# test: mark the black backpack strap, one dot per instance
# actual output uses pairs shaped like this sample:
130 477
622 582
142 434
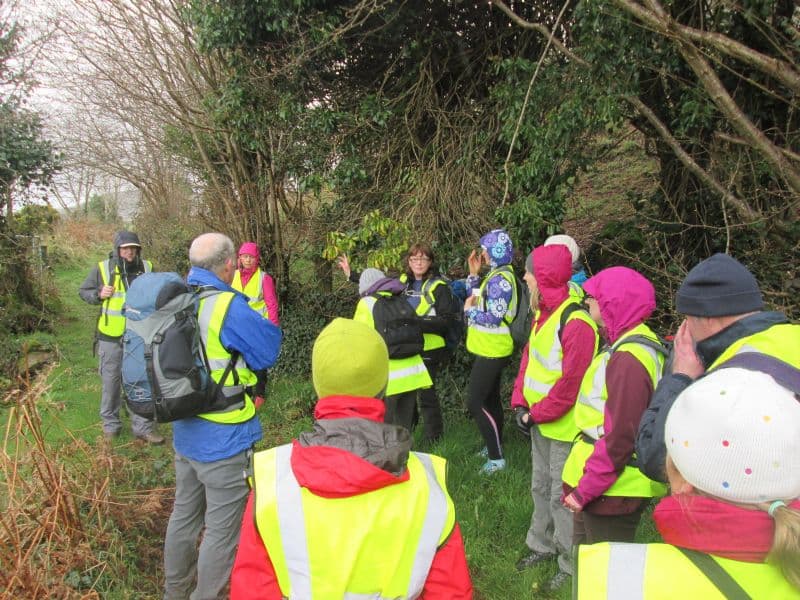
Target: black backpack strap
782 372
643 340
565 315
721 579
203 292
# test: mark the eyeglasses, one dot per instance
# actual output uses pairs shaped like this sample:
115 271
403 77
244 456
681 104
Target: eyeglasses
419 259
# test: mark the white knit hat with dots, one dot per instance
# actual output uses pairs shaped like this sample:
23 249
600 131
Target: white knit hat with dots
735 434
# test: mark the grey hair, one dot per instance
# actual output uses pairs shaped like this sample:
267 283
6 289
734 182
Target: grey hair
211 251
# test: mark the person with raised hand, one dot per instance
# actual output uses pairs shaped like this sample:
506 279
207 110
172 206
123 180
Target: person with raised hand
491 304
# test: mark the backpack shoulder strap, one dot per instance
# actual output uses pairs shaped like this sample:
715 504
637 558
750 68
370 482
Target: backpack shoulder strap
782 372
565 315
643 340
721 579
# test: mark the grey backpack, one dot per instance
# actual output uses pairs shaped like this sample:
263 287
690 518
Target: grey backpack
165 372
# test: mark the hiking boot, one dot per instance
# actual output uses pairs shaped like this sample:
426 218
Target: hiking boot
534 558
557 581
151 438
492 466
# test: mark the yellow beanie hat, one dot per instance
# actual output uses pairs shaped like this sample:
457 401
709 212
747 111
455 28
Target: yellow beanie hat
349 359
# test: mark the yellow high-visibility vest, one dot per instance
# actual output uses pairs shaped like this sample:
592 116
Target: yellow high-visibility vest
405 374
254 290
425 308
590 415
213 308
614 570
780 341
112 317
576 291
545 357
494 342
376 545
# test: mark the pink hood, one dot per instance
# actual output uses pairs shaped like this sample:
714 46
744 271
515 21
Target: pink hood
249 248
625 297
252 249
552 268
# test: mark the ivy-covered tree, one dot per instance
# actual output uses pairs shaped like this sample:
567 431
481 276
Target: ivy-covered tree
27 159
27 162
410 107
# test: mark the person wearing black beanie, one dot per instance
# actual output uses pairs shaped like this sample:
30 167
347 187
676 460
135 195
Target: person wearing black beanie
725 317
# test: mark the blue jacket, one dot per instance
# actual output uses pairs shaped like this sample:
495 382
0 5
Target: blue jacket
259 343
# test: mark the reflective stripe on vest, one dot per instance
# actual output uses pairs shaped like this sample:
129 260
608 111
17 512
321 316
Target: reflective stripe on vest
254 290
405 374
493 342
112 316
378 545
590 415
780 341
426 308
213 309
662 572
593 392
544 368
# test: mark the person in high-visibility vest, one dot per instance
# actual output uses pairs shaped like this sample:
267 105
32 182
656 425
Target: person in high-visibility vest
429 295
725 317
603 488
255 283
408 375
732 524
259 288
212 450
106 285
579 276
441 318
492 302
347 510
562 343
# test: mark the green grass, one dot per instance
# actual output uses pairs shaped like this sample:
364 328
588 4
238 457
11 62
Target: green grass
493 511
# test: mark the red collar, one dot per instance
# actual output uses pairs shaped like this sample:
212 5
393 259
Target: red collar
349 407
716 527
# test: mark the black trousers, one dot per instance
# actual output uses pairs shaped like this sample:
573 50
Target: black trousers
592 529
429 407
484 401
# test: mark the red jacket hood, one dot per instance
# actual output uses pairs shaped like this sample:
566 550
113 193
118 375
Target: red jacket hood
625 297
552 268
334 472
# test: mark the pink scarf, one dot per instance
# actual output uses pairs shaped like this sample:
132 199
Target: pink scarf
716 527
246 274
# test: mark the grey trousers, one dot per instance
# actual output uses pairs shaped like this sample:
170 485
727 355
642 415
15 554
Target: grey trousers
211 495
110 354
551 523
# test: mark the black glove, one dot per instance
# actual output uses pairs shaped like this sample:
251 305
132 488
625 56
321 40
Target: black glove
523 419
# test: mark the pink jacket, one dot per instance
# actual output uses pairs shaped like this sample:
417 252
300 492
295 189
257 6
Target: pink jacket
553 268
626 299
267 284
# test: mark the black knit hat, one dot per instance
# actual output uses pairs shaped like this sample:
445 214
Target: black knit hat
717 287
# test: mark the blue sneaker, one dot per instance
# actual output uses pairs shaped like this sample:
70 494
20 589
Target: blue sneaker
492 466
